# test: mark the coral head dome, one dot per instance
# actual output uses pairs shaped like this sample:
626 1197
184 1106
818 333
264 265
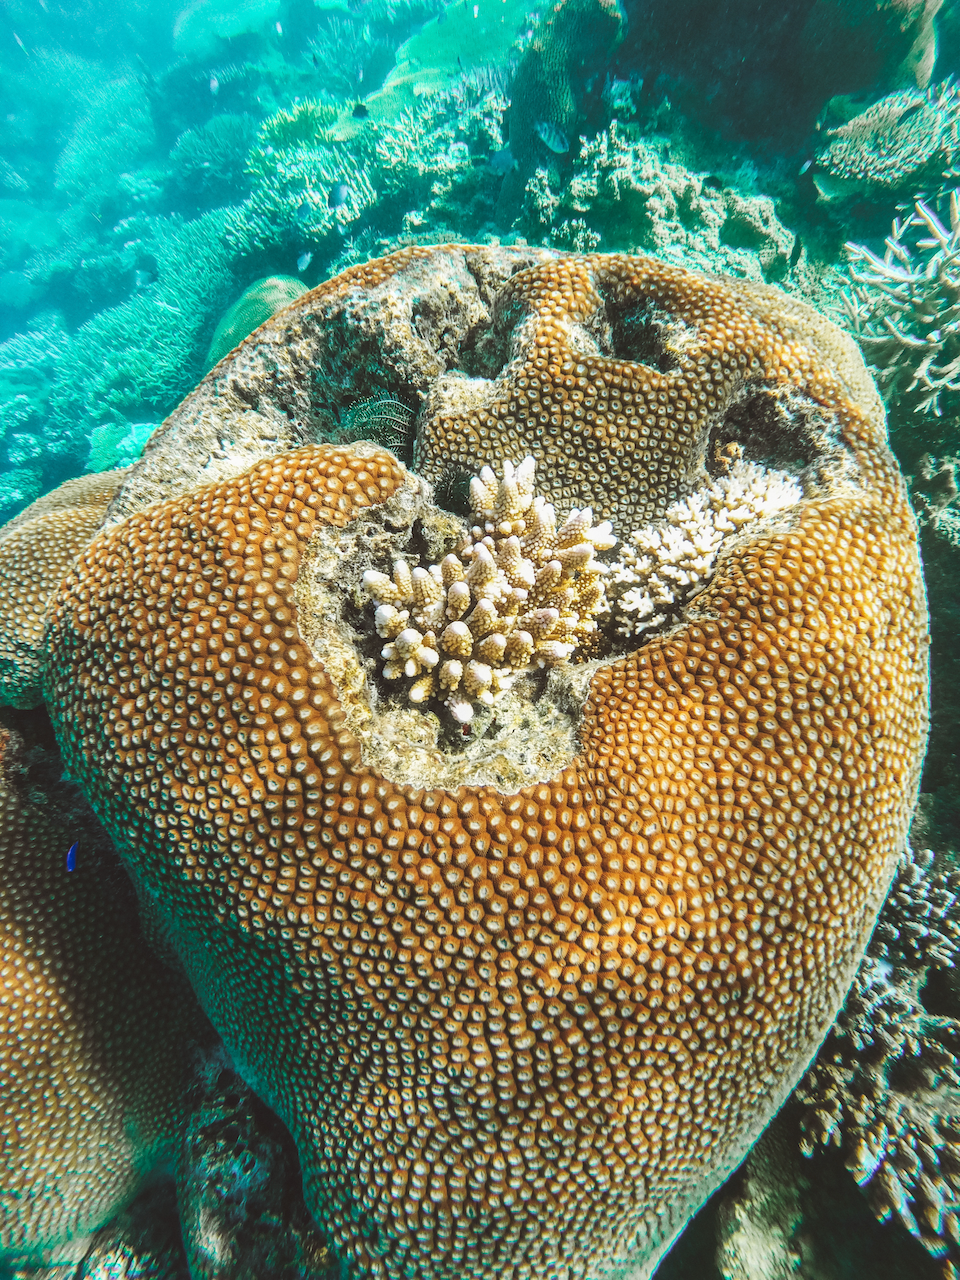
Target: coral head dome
522 1007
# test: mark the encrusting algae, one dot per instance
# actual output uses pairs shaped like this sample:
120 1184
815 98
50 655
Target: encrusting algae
515 1032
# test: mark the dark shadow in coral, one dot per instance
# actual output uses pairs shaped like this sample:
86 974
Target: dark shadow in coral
764 429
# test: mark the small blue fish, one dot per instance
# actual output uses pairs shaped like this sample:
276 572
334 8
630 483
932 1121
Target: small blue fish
304 260
142 278
305 211
502 161
339 195
805 166
72 856
552 137
214 85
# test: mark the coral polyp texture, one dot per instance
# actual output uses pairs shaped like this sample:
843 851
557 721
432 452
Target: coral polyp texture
905 137
517 592
93 1027
523 1001
36 549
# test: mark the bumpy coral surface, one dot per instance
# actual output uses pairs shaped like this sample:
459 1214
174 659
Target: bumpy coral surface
517 1034
518 591
36 549
92 1026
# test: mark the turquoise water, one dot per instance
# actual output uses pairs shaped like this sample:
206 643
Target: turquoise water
170 177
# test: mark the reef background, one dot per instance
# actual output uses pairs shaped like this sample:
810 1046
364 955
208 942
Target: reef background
170 176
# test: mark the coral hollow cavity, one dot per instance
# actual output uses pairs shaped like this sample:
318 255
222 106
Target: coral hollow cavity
516 1030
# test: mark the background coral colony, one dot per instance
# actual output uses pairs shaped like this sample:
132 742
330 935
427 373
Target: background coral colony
478 664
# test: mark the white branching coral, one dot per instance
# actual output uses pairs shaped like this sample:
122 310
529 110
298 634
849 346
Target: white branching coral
904 310
517 593
663 565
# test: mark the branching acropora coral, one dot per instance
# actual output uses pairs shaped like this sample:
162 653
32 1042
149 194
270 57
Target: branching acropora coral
904 309
663 565
517 592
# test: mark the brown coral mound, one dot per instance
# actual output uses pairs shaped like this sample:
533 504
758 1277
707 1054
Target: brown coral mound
36 549
92 1026
525 1035
625 371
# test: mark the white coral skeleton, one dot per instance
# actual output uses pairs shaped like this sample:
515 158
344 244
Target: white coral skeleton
518 593
663 565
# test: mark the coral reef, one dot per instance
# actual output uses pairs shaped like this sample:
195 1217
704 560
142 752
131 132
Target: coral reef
902 309
622 193
115 132
885 1086
28 370
569 51
348 52
207 164
906 137
297 167
510 1031
94 1027
135 361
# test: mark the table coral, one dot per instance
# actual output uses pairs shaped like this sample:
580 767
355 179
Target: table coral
903 138
513 1032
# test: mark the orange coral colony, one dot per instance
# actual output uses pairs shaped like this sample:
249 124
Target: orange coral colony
524 1034
36 550
92 1026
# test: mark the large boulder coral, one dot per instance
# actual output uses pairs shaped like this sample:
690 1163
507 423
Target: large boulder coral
518 1027
94 1028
